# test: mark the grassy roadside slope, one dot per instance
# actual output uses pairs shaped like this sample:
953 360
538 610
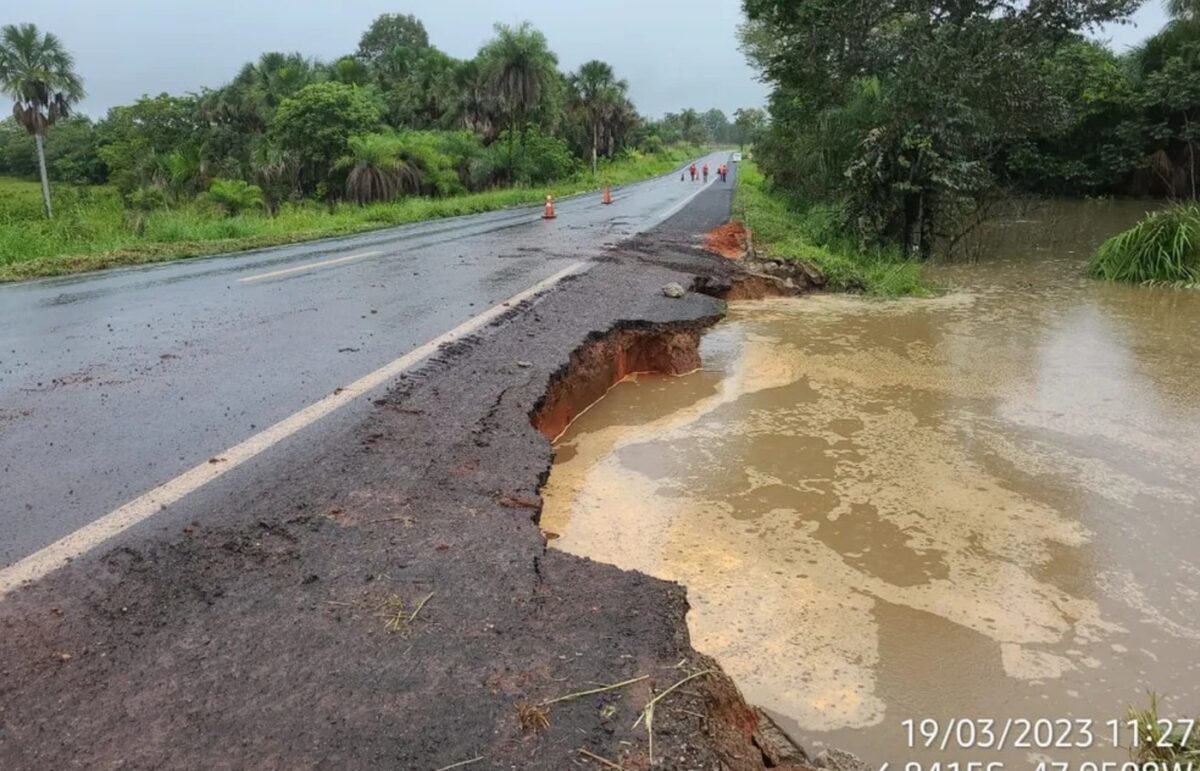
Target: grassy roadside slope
92 230
783 232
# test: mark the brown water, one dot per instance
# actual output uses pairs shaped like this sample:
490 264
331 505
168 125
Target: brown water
982 504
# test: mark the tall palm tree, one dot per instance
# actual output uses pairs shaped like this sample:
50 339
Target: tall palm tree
1188 10
596 90
37 72
520 67
472 106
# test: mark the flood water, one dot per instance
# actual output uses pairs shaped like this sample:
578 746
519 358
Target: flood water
982 504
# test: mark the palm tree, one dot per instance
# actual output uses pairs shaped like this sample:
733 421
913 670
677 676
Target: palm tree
596 90
1187 10
276 171
378 169
520 67
36 71
471 105
620 120
349 70
260 87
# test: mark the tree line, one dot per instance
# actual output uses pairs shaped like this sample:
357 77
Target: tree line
396 117
907 117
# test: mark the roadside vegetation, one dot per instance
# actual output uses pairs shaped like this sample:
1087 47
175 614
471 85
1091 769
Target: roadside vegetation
294 148
903 124
785 228
94 227
1164 248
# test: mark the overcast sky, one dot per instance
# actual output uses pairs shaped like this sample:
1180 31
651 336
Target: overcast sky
674 53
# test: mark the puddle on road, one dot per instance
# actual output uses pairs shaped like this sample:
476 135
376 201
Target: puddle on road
978 505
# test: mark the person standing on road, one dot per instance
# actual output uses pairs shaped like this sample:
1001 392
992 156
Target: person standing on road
706 173
693 171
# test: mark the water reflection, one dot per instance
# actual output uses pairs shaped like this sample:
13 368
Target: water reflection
976 504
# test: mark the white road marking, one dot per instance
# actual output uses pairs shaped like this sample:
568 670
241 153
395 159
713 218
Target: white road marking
148 504
309 266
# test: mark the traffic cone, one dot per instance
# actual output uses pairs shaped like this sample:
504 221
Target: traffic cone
607 196
549 214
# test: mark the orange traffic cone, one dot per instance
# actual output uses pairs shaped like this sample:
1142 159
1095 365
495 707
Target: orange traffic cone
607 195
549 214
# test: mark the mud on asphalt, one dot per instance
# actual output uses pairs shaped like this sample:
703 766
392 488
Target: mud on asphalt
387 600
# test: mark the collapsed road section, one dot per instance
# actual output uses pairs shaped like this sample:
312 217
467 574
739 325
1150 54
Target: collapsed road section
387 599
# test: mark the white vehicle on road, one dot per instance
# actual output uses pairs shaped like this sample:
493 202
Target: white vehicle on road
737 158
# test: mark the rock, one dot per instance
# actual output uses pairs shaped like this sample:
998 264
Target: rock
673 290
837 760
812 273
524 364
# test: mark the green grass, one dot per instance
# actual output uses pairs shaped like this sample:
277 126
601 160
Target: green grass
92 230
1164 248
1162 738
783 231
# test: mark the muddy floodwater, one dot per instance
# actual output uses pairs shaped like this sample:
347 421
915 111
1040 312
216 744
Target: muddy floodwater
984 504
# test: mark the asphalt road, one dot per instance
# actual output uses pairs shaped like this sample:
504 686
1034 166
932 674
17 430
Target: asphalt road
116 382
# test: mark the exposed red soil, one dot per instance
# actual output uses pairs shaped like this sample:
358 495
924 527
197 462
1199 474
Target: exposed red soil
730 240
606 360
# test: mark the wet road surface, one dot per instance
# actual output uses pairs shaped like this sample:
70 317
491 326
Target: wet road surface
112 383
375 592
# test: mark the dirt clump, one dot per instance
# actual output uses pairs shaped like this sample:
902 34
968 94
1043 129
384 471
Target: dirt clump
731 241
760 279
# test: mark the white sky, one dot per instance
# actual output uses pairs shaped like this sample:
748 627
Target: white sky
1146 22
674 53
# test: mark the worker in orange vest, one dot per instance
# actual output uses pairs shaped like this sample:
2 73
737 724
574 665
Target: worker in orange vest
693 170
706 172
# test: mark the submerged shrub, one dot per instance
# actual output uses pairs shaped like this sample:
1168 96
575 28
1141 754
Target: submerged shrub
1162 739
1163 248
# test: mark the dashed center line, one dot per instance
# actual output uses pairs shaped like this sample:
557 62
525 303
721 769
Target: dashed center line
309 266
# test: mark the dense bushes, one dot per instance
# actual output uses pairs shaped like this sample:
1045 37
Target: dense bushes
789 229
316 124
911 119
